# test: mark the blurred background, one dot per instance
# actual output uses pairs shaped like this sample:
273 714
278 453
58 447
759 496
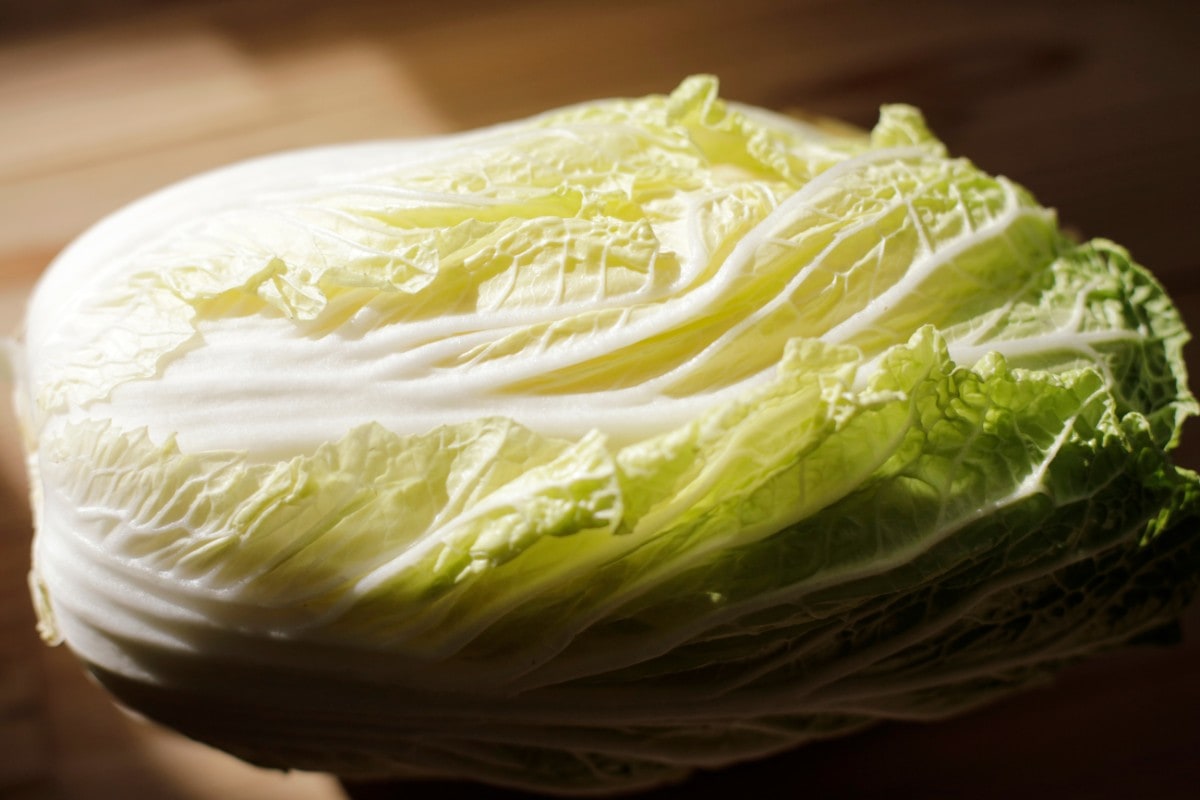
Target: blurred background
1095 106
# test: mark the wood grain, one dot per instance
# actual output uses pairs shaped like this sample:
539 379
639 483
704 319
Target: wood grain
1094 106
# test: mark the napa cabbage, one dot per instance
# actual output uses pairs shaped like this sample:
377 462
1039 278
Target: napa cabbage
583 451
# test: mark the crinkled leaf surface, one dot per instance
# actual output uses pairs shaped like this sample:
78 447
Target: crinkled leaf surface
582 451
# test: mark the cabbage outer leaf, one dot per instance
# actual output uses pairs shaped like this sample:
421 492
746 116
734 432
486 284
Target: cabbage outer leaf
579 452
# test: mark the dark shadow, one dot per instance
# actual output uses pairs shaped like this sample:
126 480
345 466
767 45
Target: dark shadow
1121 726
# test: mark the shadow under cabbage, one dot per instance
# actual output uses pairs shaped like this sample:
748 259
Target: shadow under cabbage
1126 723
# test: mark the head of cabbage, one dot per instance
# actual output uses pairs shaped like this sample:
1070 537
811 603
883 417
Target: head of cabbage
580 452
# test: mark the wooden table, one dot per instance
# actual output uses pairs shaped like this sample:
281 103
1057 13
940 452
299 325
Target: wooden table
1093 106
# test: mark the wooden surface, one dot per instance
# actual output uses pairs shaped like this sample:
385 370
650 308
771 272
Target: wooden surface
1094 106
